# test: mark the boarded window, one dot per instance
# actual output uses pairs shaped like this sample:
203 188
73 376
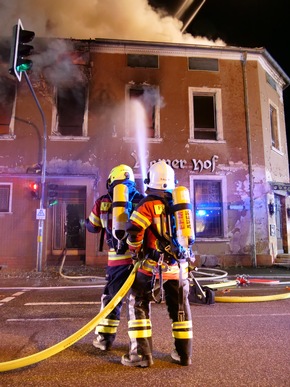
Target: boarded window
271 81
149 61
203 64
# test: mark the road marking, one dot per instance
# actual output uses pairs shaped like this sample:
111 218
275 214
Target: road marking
7 299
63 303
24 288
42 319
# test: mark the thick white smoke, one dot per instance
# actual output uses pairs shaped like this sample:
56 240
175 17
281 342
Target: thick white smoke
90 19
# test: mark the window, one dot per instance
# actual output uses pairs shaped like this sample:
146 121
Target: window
205 114
271 81
208 208
203 64
7 107
148 61
274 127
5 197
142 111
70 111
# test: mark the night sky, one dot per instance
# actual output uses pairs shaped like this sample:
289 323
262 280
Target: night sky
245 23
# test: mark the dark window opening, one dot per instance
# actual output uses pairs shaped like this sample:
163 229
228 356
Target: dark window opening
5 190
71 105
7 97
147 96
274 127
204 117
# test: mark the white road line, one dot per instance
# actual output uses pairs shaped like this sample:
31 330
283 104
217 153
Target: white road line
24 288
62 303
41 319
7 299
18 294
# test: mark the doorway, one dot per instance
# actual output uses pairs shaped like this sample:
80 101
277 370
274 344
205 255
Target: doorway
279 223
68 228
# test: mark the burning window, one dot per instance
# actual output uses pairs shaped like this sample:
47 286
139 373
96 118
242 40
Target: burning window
148 106
208 208
71 108
205 114
7 101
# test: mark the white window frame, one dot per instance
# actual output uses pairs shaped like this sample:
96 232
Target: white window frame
10 199
55 135
205 91
127 137
222 179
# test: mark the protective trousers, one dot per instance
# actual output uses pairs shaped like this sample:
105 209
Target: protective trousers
139 316
116 276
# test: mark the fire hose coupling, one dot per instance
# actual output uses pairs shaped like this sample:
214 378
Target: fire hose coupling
242 280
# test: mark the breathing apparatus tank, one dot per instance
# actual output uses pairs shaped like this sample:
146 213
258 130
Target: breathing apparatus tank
120 211
182 210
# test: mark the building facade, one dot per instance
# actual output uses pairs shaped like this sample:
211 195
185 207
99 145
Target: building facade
215 114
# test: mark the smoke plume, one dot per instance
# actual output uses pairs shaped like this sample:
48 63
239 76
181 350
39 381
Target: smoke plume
91 19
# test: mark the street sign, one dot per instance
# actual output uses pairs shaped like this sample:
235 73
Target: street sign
40 213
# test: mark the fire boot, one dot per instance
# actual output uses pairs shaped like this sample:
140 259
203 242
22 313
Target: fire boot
137 360
101 343
182 360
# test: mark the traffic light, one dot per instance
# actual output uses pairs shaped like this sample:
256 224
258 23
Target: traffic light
52 195
20 50
34 190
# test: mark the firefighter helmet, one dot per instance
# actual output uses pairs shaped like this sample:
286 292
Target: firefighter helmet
120 172
160 176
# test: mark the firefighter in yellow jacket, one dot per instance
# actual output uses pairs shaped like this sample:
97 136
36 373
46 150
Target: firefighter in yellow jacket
110 213
150 235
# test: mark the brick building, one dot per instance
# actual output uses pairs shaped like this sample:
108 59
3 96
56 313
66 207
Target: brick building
215 114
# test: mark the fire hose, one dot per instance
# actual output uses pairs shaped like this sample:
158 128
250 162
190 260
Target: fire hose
48 352
273 297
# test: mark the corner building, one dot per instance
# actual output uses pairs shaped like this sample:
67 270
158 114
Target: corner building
215 114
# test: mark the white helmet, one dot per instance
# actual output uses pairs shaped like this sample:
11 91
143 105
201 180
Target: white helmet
120 172
160 176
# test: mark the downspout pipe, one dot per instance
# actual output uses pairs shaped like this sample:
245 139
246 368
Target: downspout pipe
250 161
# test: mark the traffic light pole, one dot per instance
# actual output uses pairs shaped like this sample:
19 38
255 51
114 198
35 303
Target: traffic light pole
43 176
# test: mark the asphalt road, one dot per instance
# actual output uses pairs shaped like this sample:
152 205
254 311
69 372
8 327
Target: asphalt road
235 344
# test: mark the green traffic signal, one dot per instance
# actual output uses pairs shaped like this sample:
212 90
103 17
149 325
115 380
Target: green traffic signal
20 50
23 65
